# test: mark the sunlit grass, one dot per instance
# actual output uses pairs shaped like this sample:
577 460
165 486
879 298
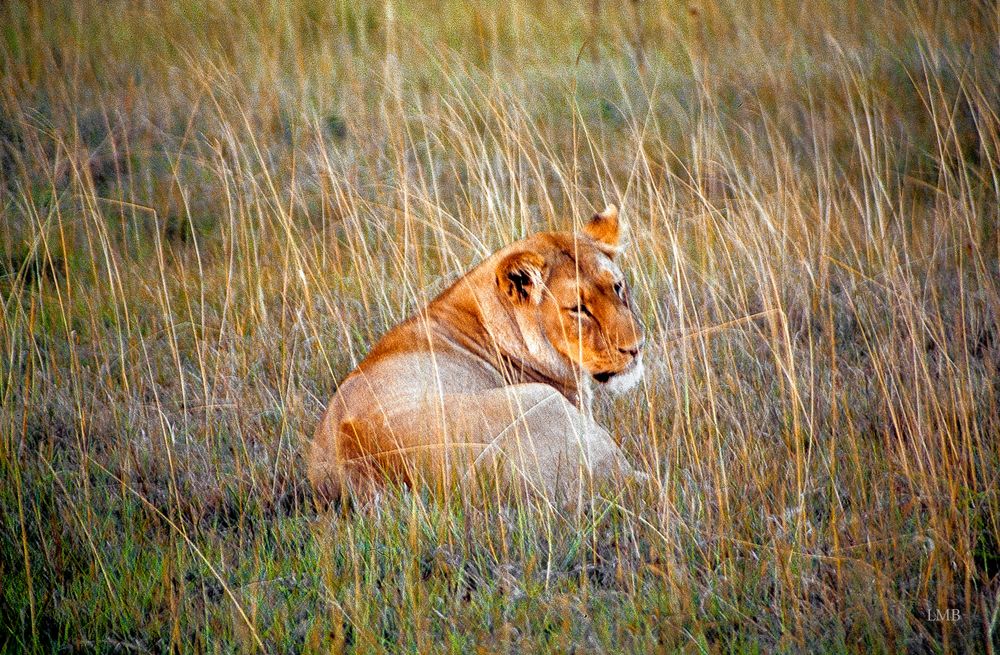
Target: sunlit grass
210 211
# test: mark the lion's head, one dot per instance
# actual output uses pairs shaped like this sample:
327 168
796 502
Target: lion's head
567 290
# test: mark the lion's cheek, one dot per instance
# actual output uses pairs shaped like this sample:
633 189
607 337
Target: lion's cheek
564 338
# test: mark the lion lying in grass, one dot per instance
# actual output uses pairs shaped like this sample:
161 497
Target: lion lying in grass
493 376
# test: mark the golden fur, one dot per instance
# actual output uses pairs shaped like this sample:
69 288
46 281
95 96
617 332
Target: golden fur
493 375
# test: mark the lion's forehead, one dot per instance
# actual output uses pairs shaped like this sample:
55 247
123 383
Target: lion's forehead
607 269
575 253
595 269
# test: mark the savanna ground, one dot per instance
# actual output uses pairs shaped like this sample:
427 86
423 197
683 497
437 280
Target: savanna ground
210 211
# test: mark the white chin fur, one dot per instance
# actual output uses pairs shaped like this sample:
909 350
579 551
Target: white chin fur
622 382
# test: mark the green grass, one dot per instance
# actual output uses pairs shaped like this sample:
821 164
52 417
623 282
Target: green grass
210 211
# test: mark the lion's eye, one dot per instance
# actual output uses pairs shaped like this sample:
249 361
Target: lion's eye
620 290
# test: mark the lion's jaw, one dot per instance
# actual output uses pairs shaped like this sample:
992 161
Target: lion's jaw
625 381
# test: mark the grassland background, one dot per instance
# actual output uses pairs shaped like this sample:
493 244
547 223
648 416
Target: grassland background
209 211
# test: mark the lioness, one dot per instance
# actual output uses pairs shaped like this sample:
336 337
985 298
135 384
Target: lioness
493 375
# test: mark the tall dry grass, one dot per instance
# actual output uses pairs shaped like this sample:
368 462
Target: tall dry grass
210 211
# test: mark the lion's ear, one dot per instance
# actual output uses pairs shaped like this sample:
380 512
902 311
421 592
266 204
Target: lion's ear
605 228
520 277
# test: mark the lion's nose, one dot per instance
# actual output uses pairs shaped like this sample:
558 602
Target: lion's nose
634 349
632 352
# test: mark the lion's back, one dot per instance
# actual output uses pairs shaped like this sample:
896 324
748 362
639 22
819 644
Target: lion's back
405 369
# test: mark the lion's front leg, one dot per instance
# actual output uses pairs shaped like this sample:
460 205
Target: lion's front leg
542 441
